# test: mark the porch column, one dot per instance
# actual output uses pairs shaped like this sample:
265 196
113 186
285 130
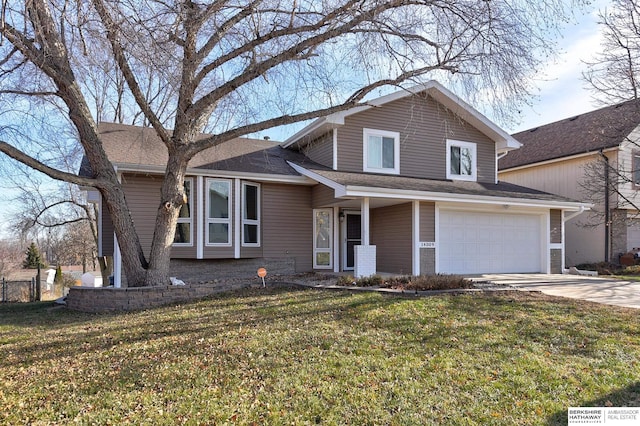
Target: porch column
415 246
364 208
117 263
365 253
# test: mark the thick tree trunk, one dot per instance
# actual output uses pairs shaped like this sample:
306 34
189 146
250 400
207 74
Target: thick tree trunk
172 198
133 260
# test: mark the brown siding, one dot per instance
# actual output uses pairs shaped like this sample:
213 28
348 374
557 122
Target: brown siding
321 150
107 232
143 199
322 196
391 234
427 234
287 223
556 226
556 261
427 221
424 126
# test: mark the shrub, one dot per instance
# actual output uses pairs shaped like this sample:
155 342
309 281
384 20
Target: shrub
436 282
631 270
408 282
346 280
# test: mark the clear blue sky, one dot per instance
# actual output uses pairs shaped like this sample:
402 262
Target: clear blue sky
562 93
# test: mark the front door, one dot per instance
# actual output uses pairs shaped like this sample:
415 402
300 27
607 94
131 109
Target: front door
352 236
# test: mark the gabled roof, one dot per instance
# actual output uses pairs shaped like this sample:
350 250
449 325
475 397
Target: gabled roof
434 89
600 129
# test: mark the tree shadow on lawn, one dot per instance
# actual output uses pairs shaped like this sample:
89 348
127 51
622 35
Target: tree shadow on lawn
73 333
68 333
628 396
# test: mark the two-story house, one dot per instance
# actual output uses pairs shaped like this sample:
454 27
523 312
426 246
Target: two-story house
575 157
405 184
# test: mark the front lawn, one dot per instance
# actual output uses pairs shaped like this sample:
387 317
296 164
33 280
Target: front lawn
288 356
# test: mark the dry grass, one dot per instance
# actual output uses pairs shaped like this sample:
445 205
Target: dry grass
289 356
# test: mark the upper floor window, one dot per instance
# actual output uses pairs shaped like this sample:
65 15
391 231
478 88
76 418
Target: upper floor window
251 215
218 212
183 236
381 151
461 160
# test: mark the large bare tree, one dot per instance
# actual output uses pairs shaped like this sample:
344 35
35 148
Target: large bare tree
614 74
231 68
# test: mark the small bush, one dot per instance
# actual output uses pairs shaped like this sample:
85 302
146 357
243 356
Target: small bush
372 281
408 282
631 270
436 282
346 280
608 268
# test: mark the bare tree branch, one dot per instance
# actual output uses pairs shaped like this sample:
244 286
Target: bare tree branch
20 156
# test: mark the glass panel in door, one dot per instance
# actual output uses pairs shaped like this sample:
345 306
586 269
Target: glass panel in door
353 237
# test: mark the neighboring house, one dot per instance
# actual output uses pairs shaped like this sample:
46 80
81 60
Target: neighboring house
406 184
558 158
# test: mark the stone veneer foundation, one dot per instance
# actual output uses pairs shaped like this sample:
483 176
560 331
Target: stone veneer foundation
109 299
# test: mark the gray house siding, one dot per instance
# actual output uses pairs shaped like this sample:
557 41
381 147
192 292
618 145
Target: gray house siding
321 150
322 196
555 226
427 234
391 234
424 126
107 232
287 223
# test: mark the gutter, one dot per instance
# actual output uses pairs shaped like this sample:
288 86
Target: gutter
574 214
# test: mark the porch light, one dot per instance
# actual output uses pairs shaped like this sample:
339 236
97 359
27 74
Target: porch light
341 216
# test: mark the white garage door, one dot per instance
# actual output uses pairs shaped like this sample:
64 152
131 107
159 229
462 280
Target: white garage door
477 242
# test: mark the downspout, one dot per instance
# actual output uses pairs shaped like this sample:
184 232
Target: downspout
607 219
498 157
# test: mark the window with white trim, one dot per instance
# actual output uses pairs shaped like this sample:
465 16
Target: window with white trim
250 214
635 172
218 212
461 160
381 151
322 238
184 236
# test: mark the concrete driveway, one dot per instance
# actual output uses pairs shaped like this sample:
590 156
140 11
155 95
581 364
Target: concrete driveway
595 289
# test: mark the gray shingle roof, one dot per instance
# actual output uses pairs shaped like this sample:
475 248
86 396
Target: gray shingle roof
600 129
139 146
371 180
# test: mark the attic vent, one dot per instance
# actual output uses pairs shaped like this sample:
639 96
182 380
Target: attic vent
573 118
534 129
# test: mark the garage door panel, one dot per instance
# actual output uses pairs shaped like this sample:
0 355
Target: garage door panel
483 242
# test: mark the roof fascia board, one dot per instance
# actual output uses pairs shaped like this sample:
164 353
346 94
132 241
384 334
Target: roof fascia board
359 191
301 180
340 190
558 160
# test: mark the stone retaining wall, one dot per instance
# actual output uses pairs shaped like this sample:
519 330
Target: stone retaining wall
193 271
91 299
